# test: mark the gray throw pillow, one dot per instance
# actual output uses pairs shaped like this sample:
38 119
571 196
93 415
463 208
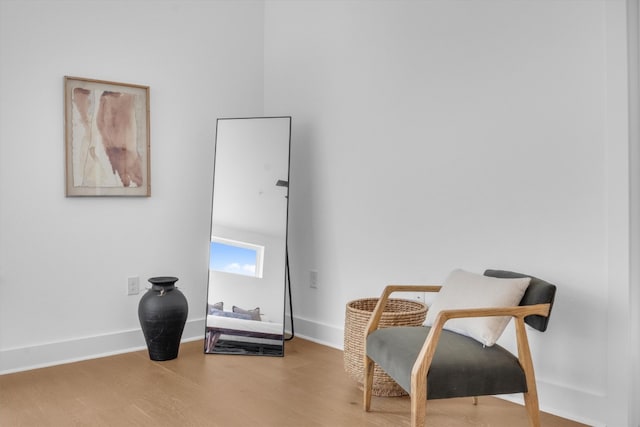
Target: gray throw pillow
255 313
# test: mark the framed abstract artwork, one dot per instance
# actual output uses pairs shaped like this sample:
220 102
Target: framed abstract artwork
107 140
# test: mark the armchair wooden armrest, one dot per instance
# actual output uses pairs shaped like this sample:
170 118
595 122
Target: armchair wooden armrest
374 320
425 357
373 323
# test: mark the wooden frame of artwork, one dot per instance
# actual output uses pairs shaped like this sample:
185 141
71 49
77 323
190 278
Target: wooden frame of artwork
107 143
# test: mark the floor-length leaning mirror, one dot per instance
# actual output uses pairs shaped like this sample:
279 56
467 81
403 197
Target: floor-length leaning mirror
247 259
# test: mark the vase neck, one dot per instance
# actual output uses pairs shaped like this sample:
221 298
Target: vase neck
163 287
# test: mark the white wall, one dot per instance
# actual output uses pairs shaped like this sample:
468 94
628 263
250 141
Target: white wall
427 135
441 134
64 262
633 17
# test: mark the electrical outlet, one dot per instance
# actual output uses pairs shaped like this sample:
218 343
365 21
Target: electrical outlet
416 296
313 279
133 285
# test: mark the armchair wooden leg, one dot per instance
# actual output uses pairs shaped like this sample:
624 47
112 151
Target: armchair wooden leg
418 411
367 382
531 403
475 400
524 355
418 401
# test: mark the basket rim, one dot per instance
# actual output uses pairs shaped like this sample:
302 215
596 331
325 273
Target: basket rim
420 306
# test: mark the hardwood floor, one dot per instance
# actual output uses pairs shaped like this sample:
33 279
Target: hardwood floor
308 388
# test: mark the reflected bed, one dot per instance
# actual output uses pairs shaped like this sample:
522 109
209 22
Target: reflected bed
240 336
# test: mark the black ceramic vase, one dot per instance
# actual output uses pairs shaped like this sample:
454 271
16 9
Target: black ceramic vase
163 312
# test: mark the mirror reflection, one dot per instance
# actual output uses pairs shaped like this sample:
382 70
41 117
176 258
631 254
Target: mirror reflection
246 293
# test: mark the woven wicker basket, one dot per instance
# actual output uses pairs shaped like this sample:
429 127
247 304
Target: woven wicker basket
398 312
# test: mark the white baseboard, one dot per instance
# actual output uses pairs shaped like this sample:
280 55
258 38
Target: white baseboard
321 333
74 350
547 405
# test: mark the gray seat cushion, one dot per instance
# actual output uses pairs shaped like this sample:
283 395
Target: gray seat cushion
461 365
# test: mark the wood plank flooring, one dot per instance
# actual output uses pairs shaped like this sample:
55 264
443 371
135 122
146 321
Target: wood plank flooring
306 388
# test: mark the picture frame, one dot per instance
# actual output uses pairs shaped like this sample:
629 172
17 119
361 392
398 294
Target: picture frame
107 138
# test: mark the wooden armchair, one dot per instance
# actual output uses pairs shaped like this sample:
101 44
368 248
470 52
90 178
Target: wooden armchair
434 363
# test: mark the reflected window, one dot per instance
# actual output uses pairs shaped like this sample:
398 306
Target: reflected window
232 256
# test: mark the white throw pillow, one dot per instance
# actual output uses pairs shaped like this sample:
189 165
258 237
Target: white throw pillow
468 290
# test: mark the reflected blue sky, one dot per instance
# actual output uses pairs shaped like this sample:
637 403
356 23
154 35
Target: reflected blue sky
232 259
